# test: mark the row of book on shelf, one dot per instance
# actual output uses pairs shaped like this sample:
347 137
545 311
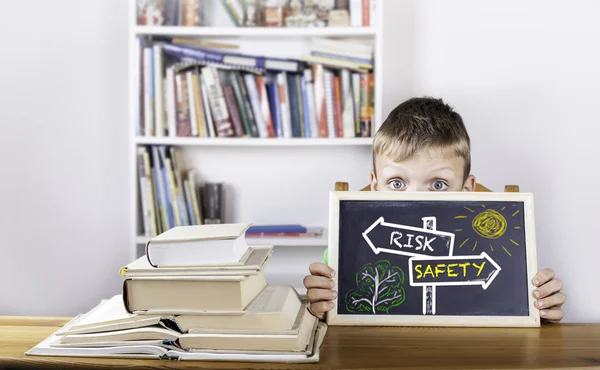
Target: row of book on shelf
233 314
259 13
170 195
191 91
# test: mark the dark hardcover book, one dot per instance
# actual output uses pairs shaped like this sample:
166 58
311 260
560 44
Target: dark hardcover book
237 90
273 94
212 198
291 81
234 112
247 104
300 106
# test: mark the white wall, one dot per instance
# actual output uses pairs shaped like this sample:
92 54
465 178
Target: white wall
522 74
64 217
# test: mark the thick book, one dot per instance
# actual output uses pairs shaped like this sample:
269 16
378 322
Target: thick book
198 245
295 339
275 310
187 295
166 350
252 261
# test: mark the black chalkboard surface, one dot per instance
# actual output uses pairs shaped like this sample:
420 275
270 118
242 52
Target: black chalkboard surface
433 258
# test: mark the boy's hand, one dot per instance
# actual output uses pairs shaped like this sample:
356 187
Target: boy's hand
549 298
319 289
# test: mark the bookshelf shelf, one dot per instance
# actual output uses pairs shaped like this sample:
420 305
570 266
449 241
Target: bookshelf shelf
256 31
276 241
243 142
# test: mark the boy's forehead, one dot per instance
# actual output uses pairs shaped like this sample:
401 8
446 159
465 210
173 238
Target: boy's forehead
426 159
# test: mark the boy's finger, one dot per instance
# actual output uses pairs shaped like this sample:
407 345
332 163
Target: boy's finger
314 295
554 300
319 268
319 308
555 314
553 286
312 281
543 277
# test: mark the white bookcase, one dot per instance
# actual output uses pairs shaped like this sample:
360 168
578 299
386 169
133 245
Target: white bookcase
267 181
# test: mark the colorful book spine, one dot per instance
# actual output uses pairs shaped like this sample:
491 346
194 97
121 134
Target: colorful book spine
223 125
305 110
264 105
320 106
182 105
294 111
252 89
276 115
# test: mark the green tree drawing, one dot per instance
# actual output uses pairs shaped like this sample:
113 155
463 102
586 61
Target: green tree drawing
379 288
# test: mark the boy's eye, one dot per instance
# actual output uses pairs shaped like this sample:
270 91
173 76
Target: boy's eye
439 186
396 184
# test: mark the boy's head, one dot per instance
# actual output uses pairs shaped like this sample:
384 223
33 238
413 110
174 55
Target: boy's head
423 145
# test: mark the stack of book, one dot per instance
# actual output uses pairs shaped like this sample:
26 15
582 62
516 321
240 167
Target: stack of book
199 293
192 91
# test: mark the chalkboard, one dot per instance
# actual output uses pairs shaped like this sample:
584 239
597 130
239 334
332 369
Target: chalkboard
433 258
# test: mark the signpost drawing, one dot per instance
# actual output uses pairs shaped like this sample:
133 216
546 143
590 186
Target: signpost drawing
431 263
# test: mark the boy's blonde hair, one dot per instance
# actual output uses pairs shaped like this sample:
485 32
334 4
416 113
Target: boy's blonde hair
421 123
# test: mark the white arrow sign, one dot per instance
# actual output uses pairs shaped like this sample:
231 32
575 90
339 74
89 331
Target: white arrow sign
409 241
453 271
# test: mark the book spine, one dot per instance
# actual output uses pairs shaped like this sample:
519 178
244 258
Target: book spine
371 104
198 105
196 206
160 180
252 89
171 102
284 105
158 90
210 127
182 108
273 92
364 103
356 97
223 125
151 191
347 104
144 198
305 110
291 90
139 87
179 191
337 102
320 105
329 105
148 92
298 92
366 8
264 105
188 202
212 199
233 110
192 104
170 180
310 99
242 108
247 105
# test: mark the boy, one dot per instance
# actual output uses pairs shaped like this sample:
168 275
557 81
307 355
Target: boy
423 145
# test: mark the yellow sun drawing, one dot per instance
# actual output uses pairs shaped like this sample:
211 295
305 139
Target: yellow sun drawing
491 225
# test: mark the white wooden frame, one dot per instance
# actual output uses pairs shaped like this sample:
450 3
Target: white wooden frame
533 320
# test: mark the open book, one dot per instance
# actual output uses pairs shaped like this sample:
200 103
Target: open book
298 344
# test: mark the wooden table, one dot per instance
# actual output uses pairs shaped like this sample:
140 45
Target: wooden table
552 346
